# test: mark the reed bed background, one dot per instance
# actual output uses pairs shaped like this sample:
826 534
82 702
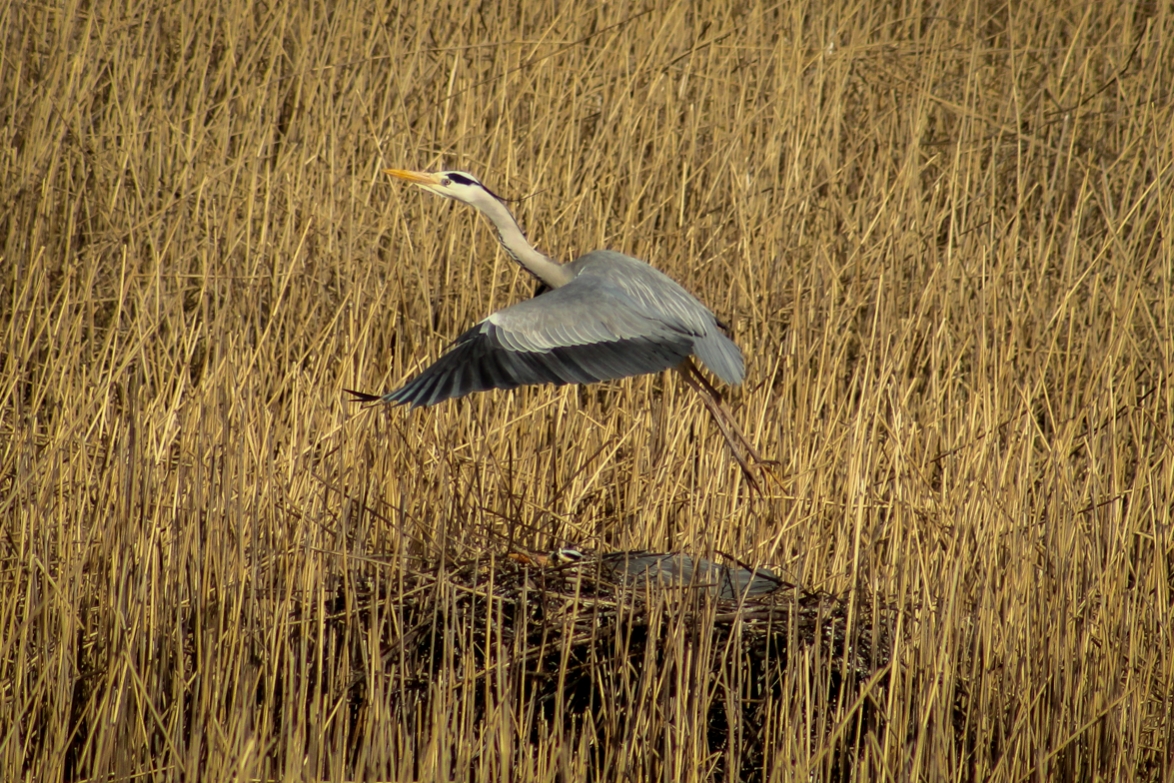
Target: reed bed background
941 231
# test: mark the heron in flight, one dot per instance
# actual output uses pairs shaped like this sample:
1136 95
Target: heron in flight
606 316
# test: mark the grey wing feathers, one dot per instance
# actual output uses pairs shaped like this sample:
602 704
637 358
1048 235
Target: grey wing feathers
618 317
721 355
583 332
660 297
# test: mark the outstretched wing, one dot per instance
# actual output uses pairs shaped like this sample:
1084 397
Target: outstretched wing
586 331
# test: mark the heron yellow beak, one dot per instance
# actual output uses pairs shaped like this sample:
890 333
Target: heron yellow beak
415 177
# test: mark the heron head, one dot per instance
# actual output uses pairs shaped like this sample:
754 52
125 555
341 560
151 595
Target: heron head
457 185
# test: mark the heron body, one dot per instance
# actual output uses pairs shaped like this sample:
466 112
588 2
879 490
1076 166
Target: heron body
674 570
726 583
607 316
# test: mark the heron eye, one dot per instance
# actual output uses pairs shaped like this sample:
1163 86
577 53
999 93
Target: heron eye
445 182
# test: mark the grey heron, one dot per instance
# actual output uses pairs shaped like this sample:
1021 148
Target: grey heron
665 569
606 316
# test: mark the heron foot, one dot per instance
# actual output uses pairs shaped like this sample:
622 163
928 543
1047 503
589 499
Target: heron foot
743 451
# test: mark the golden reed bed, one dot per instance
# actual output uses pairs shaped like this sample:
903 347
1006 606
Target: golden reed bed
941 233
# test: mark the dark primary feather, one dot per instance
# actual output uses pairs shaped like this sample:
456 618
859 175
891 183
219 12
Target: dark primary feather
358 396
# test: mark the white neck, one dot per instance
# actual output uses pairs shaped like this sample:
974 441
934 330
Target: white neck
509 233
